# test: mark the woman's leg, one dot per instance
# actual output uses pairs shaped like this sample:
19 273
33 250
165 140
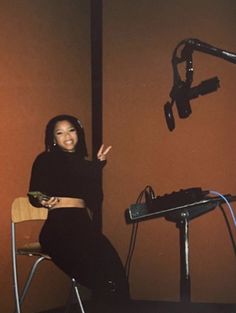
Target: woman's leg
69 237
111 281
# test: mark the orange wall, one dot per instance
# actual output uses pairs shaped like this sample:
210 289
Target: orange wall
139 38
45 57
45 70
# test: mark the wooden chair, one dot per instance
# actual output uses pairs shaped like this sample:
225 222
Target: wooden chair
23 211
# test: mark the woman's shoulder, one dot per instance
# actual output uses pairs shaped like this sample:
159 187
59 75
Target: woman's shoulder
44 157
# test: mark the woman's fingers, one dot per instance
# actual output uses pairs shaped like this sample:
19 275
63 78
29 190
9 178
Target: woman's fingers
100 150
101 155
107 150
50 203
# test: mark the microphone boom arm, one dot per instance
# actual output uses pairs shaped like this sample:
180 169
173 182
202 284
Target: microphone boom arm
198 45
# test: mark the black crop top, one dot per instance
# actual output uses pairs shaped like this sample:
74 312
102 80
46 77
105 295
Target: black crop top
65 174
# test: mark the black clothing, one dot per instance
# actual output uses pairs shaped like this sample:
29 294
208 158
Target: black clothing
68 234
65 174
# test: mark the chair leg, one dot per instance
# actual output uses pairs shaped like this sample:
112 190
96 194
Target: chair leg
15 276
30 277
76 289
20 298
74 292
16 289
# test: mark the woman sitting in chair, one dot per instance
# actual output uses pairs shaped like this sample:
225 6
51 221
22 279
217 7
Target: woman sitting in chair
71 184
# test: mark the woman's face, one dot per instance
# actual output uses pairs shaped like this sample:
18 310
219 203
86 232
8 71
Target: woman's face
65 136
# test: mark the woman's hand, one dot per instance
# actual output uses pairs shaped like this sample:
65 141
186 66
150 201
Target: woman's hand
102 154
50 203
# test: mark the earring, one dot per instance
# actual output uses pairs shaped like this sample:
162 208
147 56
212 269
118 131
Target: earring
54 144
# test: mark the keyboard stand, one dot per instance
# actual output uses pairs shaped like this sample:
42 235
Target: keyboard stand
181 215
182 220
185 280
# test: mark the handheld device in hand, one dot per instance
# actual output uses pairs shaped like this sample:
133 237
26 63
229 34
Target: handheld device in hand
39 195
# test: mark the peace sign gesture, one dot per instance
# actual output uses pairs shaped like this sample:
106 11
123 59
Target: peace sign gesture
101 155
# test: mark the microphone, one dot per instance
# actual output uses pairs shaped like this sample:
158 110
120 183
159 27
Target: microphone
205 87
182 94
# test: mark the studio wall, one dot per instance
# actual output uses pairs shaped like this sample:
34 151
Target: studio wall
45 71
138 41
45 67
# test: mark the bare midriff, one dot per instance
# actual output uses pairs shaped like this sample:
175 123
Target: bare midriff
64 202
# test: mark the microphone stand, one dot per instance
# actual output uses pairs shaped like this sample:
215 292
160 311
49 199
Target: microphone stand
182 92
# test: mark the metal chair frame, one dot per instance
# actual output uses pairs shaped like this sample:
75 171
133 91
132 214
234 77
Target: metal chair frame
23 211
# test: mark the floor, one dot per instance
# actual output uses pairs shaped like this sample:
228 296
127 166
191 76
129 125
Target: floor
153 307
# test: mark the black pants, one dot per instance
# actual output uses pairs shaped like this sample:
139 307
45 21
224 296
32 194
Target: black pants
83 253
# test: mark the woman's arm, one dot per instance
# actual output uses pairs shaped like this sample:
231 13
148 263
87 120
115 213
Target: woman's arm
39 180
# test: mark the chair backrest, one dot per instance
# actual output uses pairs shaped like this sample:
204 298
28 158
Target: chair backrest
22 210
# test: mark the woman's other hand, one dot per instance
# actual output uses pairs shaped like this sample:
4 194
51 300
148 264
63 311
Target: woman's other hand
102 152
50 203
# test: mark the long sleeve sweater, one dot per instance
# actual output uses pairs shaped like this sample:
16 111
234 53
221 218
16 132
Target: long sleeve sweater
65 174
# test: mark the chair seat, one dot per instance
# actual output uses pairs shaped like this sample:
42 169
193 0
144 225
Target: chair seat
32 249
